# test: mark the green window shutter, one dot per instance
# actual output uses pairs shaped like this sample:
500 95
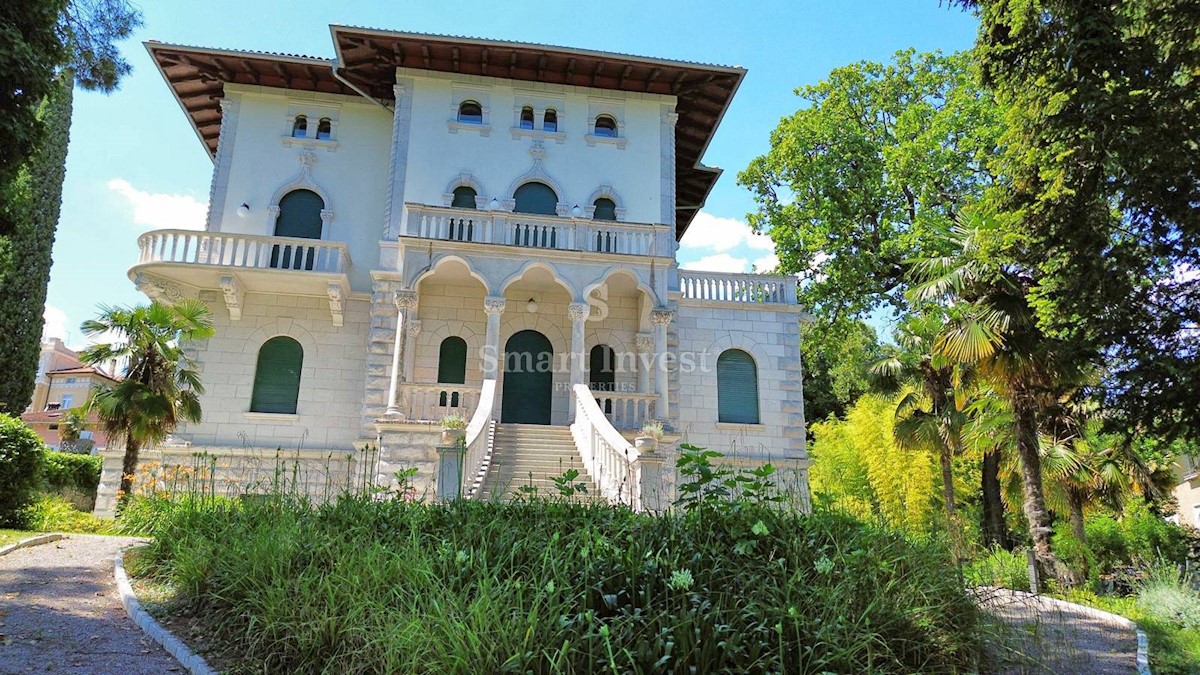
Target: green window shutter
452 361
536 198
737 388
300 215
600 368
464 197
606 209
277 376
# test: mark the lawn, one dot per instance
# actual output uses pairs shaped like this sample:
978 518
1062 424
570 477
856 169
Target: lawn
13 536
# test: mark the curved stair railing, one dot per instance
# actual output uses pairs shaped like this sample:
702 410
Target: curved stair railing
481 431
609 458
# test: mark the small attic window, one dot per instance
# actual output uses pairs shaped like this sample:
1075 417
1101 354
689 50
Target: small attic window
324 129
470 112
606 126
550 121
300 127
526 117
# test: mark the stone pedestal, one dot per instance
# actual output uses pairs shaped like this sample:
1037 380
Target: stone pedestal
408 445
449 471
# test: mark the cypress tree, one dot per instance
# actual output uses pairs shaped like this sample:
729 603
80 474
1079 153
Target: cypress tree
34 199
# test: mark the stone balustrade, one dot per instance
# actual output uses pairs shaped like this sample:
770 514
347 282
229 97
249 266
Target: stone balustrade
242 250
741 288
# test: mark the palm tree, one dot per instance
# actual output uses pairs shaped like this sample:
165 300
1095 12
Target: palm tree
989 433
161 386
929 413
71 428
993 327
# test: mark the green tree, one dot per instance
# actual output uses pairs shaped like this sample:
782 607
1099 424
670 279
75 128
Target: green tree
1102 164
864 177
31 196
992 327
835 356
161 387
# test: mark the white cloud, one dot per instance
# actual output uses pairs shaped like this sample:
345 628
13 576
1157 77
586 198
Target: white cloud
766 263
161 210
721 234
721 262
56 323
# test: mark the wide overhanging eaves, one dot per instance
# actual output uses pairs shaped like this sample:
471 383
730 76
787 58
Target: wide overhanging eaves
369 57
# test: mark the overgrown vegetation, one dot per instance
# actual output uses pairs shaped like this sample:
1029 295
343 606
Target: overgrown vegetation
727 582
65 470
21 458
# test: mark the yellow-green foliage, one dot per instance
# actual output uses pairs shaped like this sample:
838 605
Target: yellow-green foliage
858 466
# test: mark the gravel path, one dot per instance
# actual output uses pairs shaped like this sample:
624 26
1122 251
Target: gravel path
1039 635
60 613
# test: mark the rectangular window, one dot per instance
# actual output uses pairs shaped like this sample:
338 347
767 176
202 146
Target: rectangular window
66 401
70 380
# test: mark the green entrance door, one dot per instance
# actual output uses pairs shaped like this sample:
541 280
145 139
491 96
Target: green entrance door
528 379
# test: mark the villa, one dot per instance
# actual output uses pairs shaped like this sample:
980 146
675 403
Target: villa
428 226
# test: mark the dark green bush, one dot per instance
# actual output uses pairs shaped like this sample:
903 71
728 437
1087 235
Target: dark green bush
368 586
1138 538
21 458
1106 538
69 470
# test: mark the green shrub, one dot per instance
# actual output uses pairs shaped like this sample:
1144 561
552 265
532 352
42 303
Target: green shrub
1075 555
1165 595
1005 569
69 470
1150 537
51 513
21 458
367 586
1106 539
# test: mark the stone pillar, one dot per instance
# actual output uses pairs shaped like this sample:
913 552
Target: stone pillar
578 312
652 490
413 329
645 348
493 306
661 318
405 300
393 202
449 472
221 163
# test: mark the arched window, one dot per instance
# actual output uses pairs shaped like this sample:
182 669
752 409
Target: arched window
606 209
299 216
550 120
452 368
606 126
737 388
464 197
536 198
277 376
300 127
526 117
324 129
470 112
601 372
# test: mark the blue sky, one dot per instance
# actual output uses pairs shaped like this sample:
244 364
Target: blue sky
135 164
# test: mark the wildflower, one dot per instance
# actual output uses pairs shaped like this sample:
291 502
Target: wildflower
681 580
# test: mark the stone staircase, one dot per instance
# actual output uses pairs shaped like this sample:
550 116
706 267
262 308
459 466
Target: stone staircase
528 456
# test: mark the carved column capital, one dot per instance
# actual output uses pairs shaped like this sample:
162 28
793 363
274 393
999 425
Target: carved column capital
493 305
645 342
405 299
662 316
578 311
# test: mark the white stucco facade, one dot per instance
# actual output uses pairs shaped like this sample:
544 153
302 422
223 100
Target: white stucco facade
397 270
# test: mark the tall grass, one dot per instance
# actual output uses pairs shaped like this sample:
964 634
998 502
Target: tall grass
360 585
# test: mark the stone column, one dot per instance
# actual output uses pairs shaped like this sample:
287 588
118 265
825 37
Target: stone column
493 306
578 312
661 318
412 329
405 301
393 202
645 347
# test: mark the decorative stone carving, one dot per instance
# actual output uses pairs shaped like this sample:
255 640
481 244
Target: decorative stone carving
537 173
158 289
645 342
405 300
662 316
414 327
234 296
578 311
335 293
493 305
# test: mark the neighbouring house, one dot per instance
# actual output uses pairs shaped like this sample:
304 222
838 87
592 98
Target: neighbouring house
427 225
1187 492
64 382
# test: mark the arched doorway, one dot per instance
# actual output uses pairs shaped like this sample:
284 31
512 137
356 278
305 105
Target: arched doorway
528 379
